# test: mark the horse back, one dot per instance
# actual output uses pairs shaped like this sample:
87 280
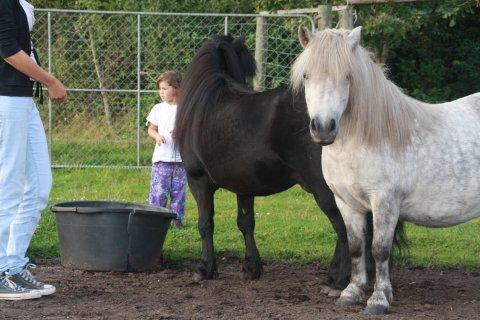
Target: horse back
474 101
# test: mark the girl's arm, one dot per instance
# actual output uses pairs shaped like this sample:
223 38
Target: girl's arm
23 63
153 132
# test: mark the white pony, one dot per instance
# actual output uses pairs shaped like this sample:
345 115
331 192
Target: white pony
385 152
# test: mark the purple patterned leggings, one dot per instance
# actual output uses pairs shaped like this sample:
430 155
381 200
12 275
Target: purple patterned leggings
168 179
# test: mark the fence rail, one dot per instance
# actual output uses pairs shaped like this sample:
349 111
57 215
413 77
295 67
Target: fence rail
109 61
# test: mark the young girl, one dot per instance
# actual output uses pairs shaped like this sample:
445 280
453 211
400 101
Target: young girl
168 173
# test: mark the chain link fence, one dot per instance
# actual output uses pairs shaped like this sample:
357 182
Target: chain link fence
109 62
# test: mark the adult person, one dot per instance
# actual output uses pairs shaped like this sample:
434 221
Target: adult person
25 172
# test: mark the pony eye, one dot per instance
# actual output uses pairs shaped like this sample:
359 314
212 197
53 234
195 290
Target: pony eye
306 76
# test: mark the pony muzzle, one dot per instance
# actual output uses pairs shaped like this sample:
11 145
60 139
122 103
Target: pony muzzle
323 133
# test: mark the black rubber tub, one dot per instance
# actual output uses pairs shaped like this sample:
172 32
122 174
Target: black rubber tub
111 236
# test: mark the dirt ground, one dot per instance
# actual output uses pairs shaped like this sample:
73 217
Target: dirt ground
285 291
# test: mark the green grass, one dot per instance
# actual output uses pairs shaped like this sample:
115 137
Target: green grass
98 152
289 226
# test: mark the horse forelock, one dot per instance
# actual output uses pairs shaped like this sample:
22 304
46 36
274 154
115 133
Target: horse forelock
377 109
326 53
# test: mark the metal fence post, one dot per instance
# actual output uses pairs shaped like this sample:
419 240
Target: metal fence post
138 85
50 121
260 36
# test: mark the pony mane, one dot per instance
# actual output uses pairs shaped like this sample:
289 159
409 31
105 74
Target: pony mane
377 111
221 65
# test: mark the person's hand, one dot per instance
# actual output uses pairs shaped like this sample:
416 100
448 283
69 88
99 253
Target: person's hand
56 91
160 139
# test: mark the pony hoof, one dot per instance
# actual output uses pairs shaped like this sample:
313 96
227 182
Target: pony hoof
334 293
325 289
375 310
197 277
250 272
346 301
202 274
250 275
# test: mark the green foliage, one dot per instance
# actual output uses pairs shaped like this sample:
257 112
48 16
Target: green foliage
150 5
440 62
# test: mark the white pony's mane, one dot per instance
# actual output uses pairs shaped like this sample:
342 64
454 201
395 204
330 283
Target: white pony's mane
377 109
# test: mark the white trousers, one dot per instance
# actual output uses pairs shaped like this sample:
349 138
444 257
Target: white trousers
25 178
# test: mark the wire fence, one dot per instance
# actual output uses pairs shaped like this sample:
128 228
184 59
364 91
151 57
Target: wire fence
109 62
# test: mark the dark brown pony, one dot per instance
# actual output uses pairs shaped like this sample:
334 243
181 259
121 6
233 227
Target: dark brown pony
251 143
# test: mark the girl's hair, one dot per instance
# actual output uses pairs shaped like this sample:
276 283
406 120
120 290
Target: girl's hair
173 78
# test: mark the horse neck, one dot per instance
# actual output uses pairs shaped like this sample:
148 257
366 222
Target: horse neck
378 111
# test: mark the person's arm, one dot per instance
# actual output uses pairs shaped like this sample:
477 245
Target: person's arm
23 63
153 132
11 52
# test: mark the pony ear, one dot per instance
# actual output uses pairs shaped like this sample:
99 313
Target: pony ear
239 43
353 38
304 36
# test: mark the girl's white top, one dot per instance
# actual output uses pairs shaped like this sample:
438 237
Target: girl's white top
163 116
28 8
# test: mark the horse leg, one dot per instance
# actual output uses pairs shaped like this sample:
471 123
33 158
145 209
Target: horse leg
385 217
203 192
355 223
252 266
340 266
369 261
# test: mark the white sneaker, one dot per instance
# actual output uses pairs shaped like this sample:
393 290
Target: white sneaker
26 280
9 290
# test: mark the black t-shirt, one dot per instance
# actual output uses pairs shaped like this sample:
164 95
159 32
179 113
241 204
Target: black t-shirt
14 36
